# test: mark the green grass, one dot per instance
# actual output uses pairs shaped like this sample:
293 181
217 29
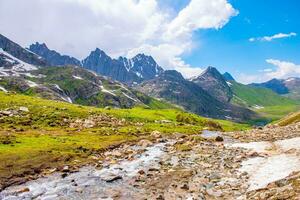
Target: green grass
274 106
278 112
41 138
251 96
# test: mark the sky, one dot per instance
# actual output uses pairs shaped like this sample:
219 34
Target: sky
254 40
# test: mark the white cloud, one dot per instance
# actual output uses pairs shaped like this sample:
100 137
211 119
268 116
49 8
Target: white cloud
281 70
276 36
119 27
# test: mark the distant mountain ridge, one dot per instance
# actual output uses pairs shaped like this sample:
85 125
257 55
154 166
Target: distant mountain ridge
129 71
172 87
52 57
289 87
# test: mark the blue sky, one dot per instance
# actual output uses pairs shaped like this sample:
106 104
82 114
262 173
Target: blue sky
229 48
185 35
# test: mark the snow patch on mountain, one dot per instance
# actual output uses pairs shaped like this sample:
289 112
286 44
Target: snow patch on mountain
21 66
107 91
77 77
129 97
3 89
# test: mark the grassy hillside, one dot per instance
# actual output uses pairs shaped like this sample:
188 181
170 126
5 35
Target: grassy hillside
264 101
290 119
81 87
38 134
254 96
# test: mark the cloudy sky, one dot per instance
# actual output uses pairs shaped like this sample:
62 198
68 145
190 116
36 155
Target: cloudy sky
252 39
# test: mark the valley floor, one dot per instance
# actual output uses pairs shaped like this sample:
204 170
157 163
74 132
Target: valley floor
254 164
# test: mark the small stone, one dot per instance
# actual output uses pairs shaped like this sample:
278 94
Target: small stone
64 175
23 190
24 109
66 169
160 197
111 178
219 139
185 187
144 143
214 193
156 134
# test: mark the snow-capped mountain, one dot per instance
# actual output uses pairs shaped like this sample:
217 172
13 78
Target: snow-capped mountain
137 69
16 60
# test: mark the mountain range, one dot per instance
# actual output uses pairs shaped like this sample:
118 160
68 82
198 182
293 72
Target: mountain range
100 80
128 71
288 87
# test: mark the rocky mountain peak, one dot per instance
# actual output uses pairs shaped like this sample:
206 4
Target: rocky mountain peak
52 57
215 84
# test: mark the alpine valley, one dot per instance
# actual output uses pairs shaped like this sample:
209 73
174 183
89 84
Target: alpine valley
126 128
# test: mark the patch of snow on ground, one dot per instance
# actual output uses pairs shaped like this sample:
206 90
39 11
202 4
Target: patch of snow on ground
260 147
279 163
228 83
107 91
3 89
77 77
267 170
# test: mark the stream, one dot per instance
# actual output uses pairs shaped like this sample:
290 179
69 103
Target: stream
273 161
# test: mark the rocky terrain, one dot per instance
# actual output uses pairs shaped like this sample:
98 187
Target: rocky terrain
256 164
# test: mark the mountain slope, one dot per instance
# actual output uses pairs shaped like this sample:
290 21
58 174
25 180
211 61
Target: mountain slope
77 85
19 53
267 103
214 83
228 77
257 97
172 87
289 119
288 87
